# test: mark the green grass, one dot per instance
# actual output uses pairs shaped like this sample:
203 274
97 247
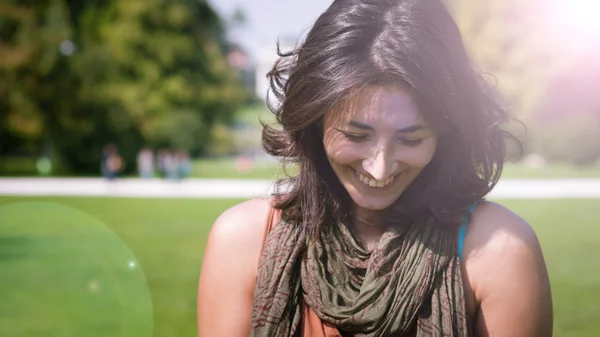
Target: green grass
552 171
226 168
44 250
167 237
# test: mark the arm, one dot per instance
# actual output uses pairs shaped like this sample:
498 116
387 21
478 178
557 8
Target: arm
508 275
229 270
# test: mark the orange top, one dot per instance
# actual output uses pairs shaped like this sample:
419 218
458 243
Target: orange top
312 326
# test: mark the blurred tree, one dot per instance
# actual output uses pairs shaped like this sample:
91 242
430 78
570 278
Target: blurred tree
75 75
164 59
222 141
35 84
238 18
570 138
526 48
566 125
510 40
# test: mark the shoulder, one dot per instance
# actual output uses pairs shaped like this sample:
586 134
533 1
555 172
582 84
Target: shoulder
506 270
235 240
498 237
244 216
494 228
229 269
232 254
241 227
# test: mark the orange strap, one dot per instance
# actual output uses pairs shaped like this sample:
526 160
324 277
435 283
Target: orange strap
272 219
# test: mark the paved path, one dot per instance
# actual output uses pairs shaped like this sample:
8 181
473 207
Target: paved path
240 188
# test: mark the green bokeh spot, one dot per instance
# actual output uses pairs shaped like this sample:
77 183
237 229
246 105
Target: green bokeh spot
64 273
44 166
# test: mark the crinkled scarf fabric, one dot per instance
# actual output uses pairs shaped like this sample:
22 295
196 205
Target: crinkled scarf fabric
410 281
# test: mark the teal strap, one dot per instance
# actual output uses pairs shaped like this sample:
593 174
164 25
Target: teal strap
462 231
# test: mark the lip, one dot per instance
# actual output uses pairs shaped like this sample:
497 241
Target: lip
368 188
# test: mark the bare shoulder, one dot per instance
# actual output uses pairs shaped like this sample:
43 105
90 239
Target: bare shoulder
241 223
229 269
497 240
506 270
237 235
495 228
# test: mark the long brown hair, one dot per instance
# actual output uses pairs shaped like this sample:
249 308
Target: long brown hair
413 43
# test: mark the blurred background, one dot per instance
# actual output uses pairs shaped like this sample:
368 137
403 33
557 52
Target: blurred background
127 127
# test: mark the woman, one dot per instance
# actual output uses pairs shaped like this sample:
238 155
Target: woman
383 231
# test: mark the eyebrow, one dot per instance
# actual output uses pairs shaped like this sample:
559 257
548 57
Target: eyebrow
407 129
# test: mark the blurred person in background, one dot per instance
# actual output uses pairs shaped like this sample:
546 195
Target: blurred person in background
384 231
111 162
171 165
162 159
184 164
145 163
244 163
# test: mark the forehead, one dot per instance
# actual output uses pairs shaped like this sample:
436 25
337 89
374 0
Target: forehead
379 106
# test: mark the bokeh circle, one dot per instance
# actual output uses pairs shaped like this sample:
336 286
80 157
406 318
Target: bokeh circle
64 273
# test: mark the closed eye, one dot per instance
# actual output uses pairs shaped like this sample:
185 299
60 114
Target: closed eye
411 142
355 137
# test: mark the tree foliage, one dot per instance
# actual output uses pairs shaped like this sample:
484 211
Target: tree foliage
75 75
524 47
510 40
569 138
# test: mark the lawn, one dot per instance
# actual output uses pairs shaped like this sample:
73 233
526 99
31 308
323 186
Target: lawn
96 266
552 171
227 168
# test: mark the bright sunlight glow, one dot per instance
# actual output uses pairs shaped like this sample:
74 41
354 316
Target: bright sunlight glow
579 18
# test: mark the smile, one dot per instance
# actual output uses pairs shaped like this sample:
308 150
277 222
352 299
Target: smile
372 182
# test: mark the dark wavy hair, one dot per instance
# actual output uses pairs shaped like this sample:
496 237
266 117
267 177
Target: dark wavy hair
414 44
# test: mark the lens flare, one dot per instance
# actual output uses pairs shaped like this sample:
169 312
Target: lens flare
68 274
578 19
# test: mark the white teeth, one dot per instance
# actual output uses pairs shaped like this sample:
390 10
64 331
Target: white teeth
373 182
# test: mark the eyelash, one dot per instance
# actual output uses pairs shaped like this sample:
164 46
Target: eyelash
412 143
355 137
359 138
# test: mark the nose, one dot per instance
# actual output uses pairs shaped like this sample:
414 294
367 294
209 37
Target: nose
380 165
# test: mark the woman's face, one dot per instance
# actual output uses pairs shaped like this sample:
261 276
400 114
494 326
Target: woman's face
377 143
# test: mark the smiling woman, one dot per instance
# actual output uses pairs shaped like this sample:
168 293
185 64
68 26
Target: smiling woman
377 143
383 231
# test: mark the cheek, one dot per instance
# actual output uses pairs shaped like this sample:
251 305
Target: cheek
339 150
343 153
421 156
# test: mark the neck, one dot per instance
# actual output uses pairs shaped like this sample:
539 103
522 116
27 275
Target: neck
368 226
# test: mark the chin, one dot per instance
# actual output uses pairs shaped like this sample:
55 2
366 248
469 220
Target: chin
373 200
372 203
